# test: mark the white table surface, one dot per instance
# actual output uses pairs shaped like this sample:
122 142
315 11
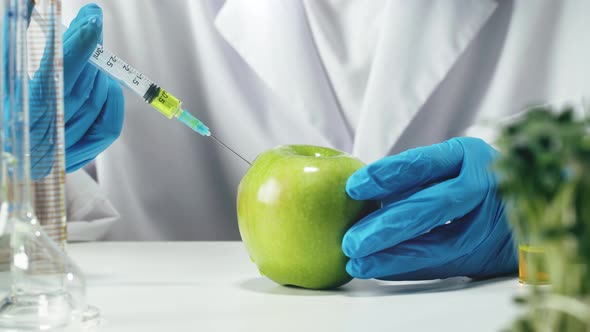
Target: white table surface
213 286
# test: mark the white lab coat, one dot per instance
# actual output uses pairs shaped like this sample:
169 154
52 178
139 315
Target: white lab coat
368 77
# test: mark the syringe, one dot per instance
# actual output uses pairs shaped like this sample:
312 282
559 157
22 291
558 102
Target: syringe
145 88
135 81
160 99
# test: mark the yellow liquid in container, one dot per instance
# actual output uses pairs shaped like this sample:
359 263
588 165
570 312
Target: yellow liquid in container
166 103
527 255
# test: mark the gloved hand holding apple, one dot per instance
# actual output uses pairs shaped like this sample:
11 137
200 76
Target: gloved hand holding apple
441 215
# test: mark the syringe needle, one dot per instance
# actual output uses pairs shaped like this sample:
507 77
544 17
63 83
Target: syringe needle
227 147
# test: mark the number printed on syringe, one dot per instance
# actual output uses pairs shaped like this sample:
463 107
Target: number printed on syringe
120 70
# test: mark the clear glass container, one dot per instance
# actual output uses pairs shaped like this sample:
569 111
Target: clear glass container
43 289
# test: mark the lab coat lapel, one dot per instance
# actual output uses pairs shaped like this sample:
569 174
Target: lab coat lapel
411 60
274 38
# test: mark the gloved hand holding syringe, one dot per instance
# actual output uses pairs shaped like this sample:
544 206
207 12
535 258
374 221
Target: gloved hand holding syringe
140 85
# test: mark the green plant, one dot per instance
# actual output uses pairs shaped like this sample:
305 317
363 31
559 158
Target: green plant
544 175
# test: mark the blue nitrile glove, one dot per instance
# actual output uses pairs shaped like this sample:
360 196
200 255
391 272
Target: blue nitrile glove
94 105
421 190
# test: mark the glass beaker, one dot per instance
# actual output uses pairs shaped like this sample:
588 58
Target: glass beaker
46 290
531 265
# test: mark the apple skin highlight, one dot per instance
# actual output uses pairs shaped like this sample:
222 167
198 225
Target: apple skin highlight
293 212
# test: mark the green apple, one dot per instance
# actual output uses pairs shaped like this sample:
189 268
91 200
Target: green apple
293 211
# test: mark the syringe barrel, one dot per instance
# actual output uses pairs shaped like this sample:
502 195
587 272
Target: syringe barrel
128 76
121 71
163 101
